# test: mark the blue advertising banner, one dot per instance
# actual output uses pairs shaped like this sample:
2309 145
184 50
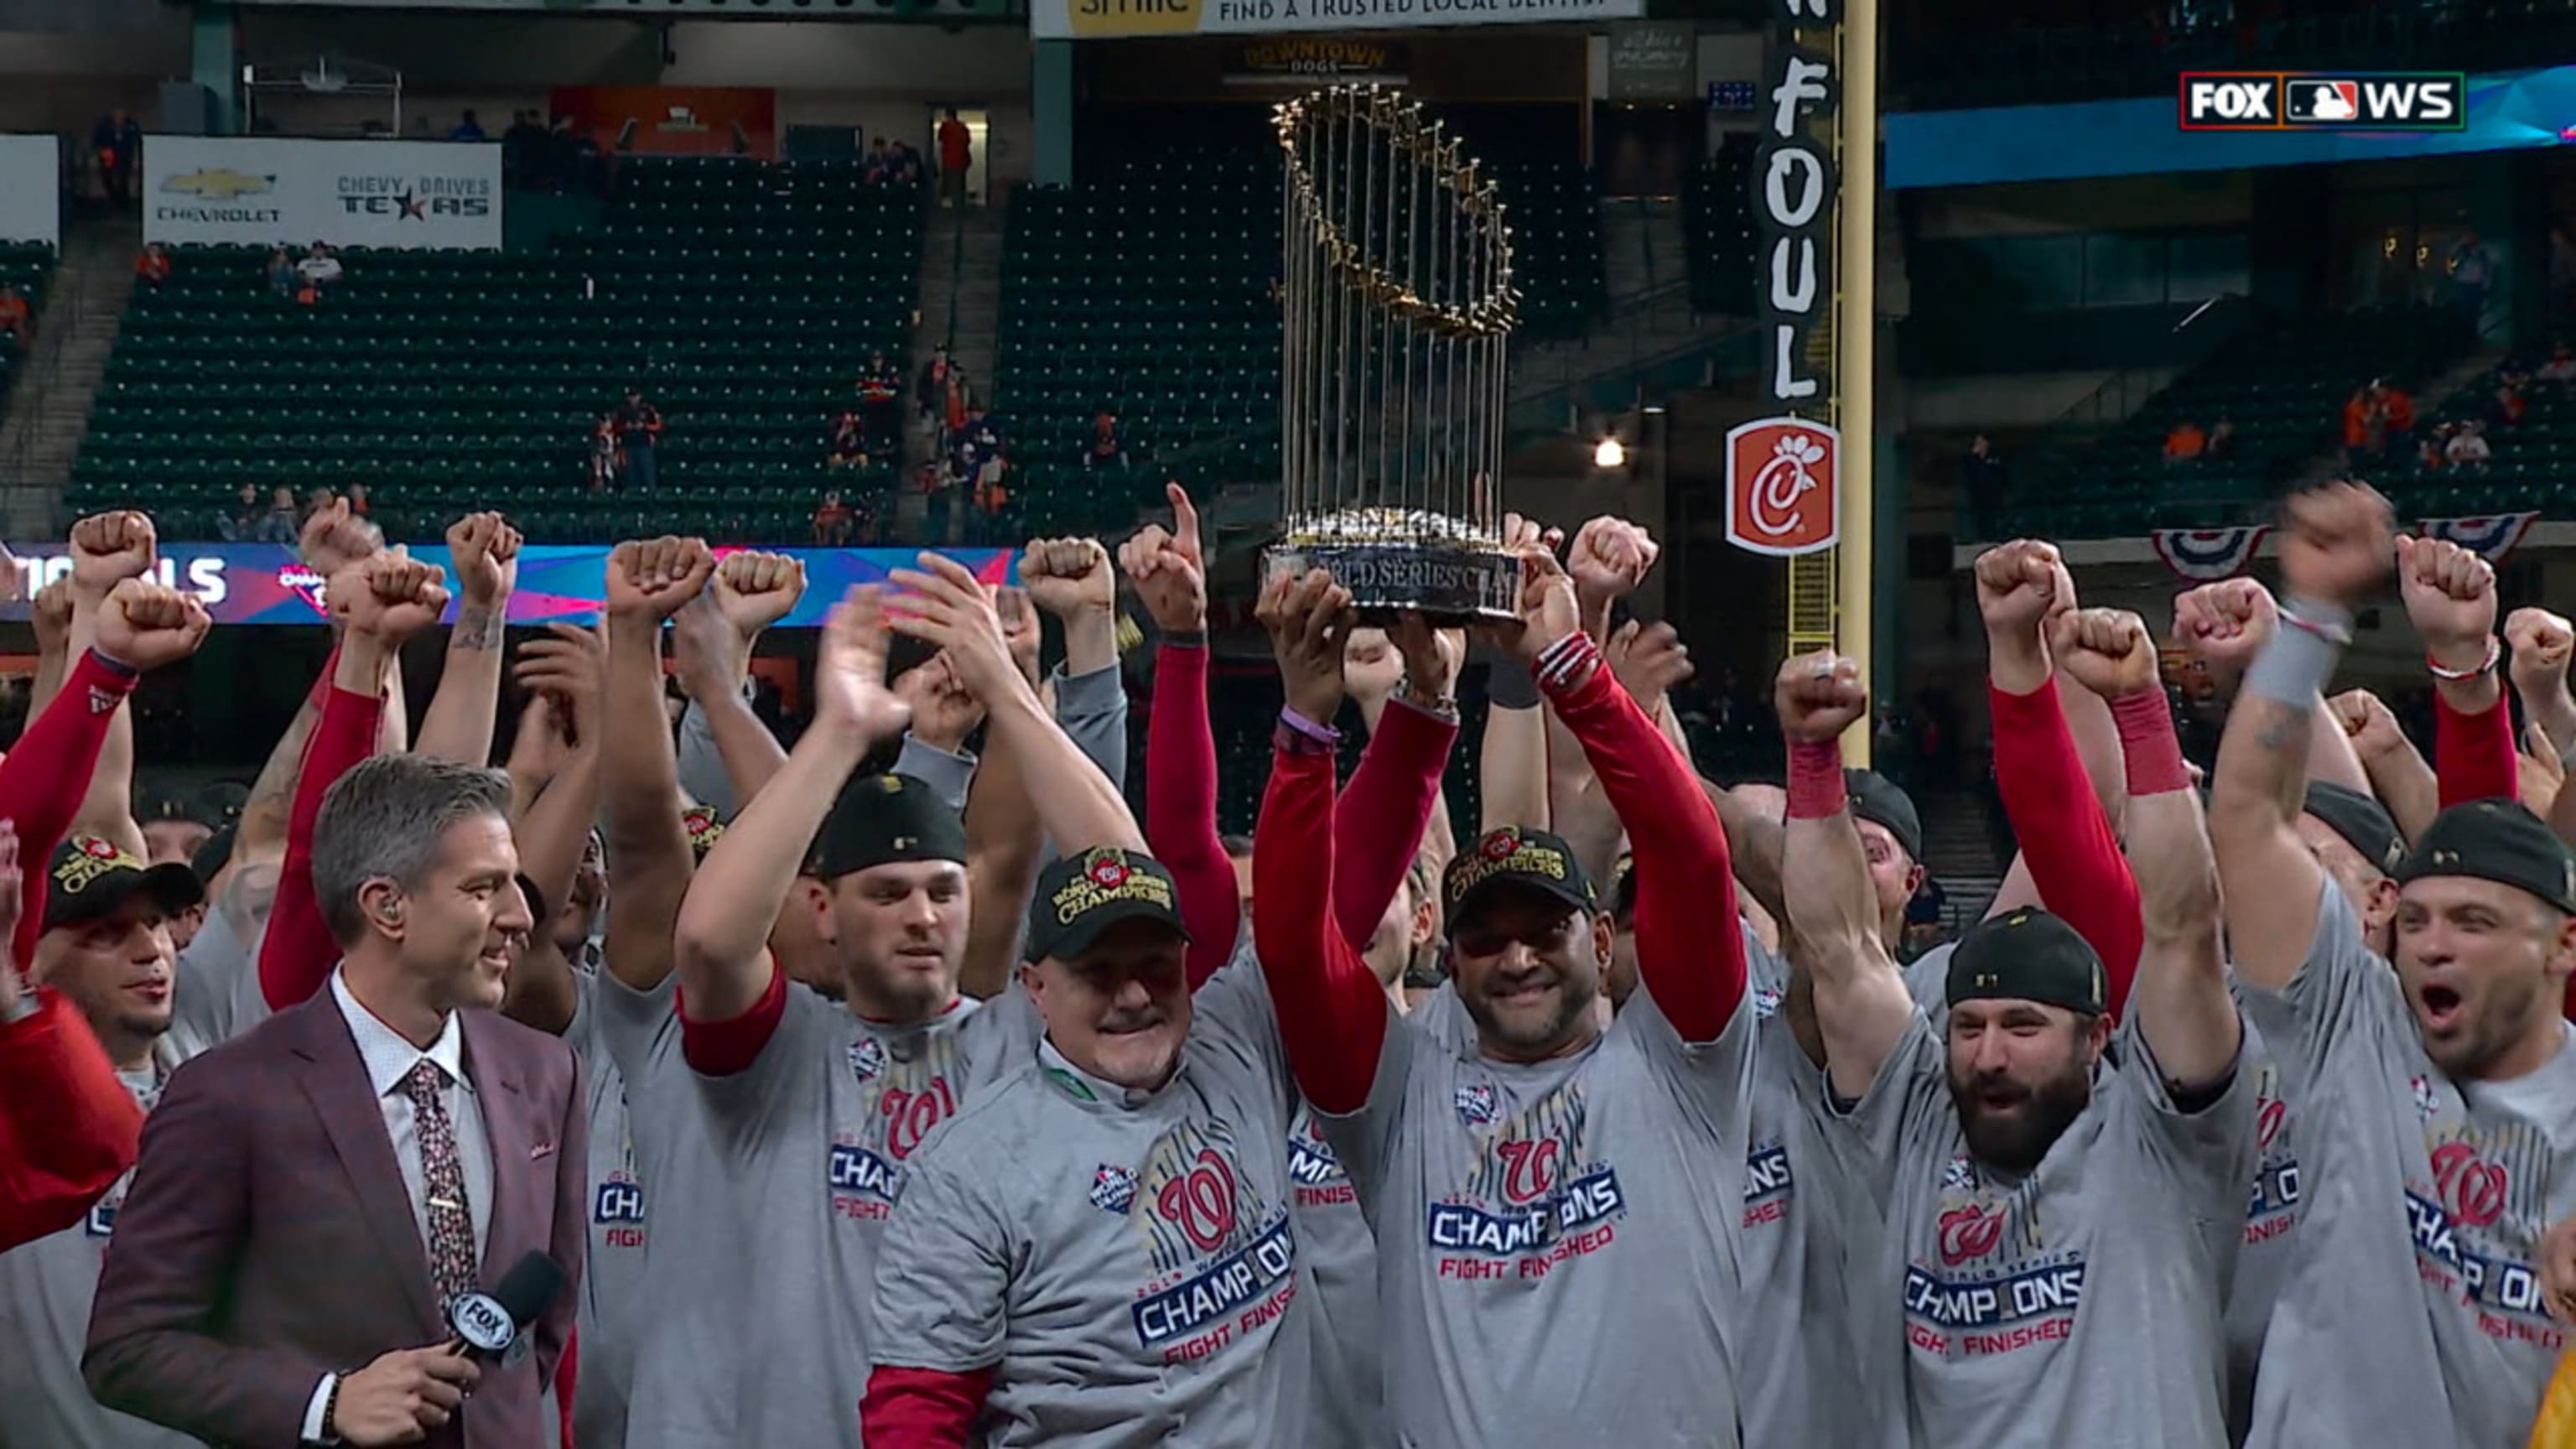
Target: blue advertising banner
266 583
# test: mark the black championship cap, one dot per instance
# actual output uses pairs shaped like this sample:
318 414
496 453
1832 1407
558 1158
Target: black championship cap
2495 840
2363 823
2027 955
884 819
216 853
1080 896
1512 856
159 806
91 879
1874 797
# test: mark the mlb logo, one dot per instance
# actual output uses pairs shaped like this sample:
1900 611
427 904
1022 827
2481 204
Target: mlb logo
1959 1176
1476 1106
1780 486
1766 1003
867 1058
2427 1104
1113 1189
2321 100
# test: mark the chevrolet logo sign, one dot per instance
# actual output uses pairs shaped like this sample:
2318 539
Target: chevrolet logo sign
218 184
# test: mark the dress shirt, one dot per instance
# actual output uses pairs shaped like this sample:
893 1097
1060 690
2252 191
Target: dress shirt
389 1058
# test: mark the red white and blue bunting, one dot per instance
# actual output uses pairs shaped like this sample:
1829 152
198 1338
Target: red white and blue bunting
2489 536
2206 555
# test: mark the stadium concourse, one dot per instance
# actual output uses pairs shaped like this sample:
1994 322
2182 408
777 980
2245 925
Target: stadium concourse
658 794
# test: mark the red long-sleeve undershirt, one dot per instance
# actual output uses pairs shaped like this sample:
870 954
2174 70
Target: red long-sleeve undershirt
68 1127
2066 839
296 955
1332 1012
917 1408
1388 803
43 781
1685 873
2473 754
1180 806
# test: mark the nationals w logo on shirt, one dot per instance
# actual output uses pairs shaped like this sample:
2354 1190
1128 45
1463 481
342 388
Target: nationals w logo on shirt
1534 1196
1224 1260
2475 1229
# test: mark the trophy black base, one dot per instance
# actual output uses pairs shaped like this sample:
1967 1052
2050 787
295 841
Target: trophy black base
1451 584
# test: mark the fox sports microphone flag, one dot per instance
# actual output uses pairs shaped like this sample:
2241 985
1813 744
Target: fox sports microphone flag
2555 1428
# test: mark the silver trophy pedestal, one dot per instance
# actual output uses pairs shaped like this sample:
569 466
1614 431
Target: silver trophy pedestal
1449 584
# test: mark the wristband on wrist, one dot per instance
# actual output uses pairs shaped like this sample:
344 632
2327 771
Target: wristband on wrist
1298 724
1186 638
2296 663
2150 751
1815 787
2331 622
2495 652
1510 685
1567 662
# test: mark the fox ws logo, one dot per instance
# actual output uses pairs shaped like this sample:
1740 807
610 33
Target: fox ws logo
1113 1189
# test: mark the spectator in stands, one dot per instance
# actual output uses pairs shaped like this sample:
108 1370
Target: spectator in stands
152 265
16 317
2396 408
930 390
1986 482
320 269
467 129
639 429
2185 443
907 164
992 501
283 522
956 157
2506 407
356 493
2473 270
880 167
2432 453
2222 439
523 149
603 453
881 399
117 141
2468 445
2560 368
833 521
849 447
281 274
2365 429
242 524
1108 445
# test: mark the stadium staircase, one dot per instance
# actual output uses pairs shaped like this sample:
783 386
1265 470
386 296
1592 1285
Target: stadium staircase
1959 853
49 408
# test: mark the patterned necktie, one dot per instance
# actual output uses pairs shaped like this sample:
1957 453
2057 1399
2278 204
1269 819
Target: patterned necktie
451 1222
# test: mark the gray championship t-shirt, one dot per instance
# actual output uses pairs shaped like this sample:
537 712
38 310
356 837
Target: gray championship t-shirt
1126 1264
770 1190
614 1299
46 1287
2412 1311
2080 1304
217 995
1556 1241
2271 1227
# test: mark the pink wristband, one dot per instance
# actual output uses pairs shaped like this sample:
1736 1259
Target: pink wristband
2149 748
1816 788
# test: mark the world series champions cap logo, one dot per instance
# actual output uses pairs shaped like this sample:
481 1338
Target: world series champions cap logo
90 858
1106 878
1509 852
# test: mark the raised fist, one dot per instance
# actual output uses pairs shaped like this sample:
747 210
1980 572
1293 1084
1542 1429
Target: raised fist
2020 584
1520 533
1066 576
1609 560
144 626
107 549
649 579
1549 608
756 590
484 549
2336 542
1819 696
333 538
1020 628
1648 660
2367 723
2541 642
1169 569
390 595
51 613
1371 668
2107 650
1309 618
944 711
2450 597
568 665
2225 623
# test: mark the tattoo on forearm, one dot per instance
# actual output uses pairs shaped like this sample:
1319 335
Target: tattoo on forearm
2280 727
477 627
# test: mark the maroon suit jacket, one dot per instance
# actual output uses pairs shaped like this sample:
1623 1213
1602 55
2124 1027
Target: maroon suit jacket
267 1239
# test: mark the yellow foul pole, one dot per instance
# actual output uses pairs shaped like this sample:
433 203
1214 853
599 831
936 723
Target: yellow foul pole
1855 345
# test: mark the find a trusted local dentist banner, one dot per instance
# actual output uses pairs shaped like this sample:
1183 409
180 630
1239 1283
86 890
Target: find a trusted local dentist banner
267 583
259 191
1122 19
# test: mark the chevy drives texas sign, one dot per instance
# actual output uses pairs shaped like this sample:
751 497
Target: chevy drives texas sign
255 191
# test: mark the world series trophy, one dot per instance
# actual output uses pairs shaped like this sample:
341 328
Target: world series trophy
1397 313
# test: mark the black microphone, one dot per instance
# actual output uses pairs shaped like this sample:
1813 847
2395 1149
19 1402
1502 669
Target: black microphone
492 1326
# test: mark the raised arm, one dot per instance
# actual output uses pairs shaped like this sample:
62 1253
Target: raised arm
380 601
1647 660
1169 573
1861 1004
2541 643
1690 954
1004 847
49 613
2183 1007
483 550
107 550
2334 552
1387 806
1512 761
2450 597
1333 1014
2393 768
563 673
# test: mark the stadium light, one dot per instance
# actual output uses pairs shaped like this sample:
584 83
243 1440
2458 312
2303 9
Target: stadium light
1608 453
